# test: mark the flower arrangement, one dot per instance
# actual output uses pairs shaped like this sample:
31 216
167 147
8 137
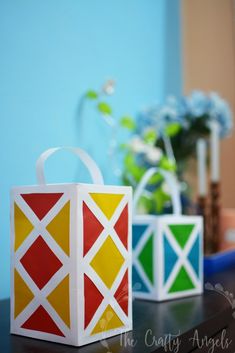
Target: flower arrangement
166 136
184 120
163 135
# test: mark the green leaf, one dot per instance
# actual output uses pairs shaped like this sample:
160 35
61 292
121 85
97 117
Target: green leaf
129 160
104 108
172 129
160 198
123 146
92 94
167 164
150 136
132 168
128 122
155 179
145 204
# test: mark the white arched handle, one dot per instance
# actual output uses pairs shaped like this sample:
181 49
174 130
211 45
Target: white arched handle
172 183
93 169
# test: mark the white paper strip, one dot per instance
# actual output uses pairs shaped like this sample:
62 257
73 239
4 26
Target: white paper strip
92 167
171 181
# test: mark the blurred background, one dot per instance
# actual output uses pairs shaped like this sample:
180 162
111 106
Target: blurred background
137 83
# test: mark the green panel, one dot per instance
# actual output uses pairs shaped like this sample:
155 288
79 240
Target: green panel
182 282
181 232
146 258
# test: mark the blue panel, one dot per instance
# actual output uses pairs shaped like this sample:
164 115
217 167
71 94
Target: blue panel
170 258
194 255
137 232
137 282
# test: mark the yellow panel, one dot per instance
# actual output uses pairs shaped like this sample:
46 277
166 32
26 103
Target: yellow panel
107 202
23 226
59 227
107 262
23 294
108 321
59 299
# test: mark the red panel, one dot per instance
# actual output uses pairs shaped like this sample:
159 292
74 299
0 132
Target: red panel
121 226
40 262
91 228
41 203
93 299
41 321
121 294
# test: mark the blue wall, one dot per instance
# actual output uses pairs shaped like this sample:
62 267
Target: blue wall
50 53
